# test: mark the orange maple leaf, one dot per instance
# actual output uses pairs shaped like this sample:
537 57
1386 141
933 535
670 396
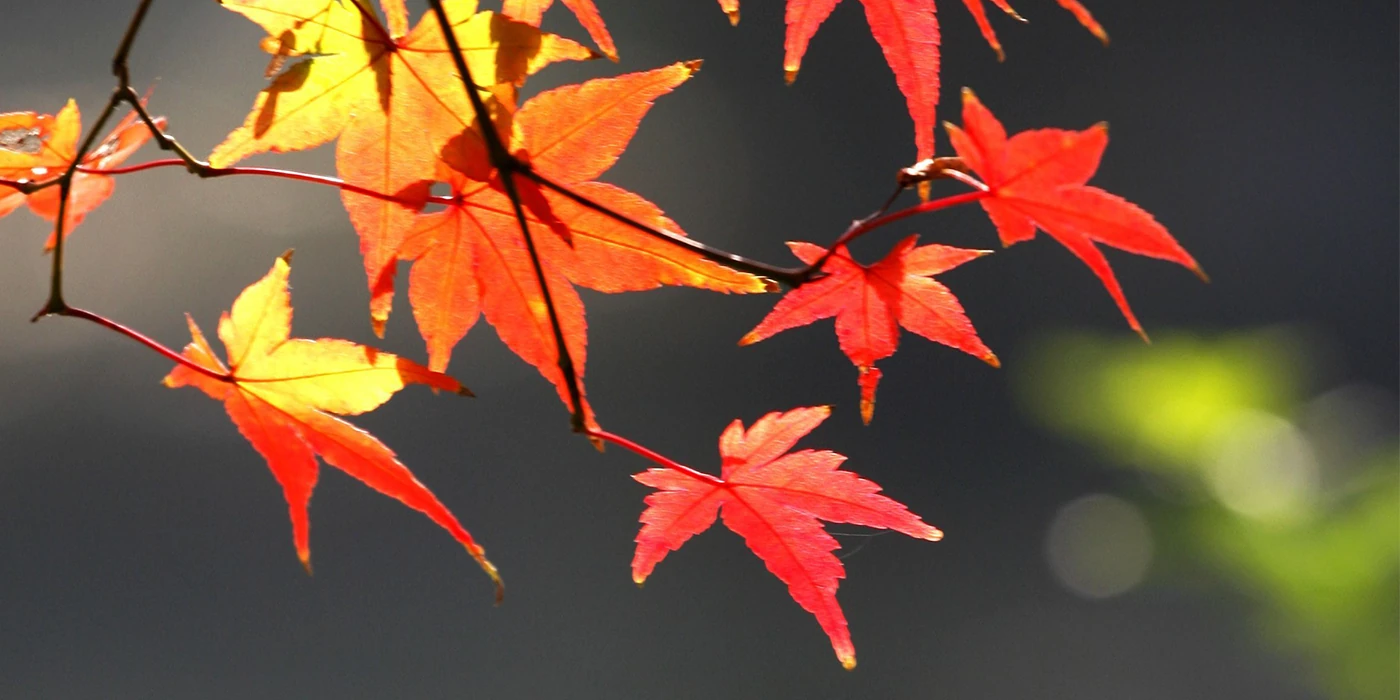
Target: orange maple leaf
38 147
532 11
1037 179
281 393
471 259
774 500
872 302
380 89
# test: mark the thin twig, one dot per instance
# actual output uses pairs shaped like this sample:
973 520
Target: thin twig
207 171
792 277
55 303
508 166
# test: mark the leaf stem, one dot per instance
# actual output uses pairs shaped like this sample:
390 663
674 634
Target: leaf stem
653 456
143 339
868 224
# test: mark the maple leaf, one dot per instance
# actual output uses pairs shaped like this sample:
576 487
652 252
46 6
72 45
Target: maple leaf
532 11
381 90
979 14
872 302
281 393
471 259
908 34
37 147
774 500
907 31
1037 180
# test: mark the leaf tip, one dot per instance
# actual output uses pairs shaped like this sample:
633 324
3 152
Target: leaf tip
286 257
480 556
848 661
991 359
694 65
640 580
789 75
934 534
733 17
750 339
305 558
462 390
1196 268
770 286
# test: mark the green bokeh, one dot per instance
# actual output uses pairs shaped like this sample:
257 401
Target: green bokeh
1323 581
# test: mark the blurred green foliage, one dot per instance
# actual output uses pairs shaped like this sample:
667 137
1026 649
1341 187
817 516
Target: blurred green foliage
1300 513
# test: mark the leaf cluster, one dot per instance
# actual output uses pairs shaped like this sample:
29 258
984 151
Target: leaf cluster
527 219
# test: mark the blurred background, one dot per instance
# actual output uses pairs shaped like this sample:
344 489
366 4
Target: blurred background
1210 516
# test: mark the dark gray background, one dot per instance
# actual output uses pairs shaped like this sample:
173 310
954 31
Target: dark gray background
144 548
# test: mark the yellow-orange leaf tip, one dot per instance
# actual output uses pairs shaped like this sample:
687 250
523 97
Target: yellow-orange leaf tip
848 662
733 18
991 359
490 569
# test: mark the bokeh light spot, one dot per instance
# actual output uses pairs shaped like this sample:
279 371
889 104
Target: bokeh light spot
1263 468
1099 546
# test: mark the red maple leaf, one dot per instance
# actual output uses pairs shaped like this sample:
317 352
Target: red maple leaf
774 500
870 304
907 31
1037 179
471 259
979 14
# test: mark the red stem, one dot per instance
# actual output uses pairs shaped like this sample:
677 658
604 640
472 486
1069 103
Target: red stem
144 340
655 457
869 225
926 207
268 172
